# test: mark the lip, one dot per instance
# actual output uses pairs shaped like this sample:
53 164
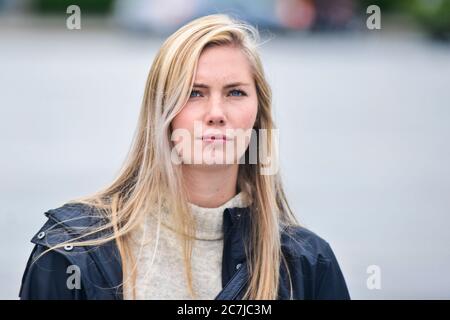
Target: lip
215 137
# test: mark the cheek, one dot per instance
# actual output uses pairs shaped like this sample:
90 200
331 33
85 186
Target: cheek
246 117
182 128
183 120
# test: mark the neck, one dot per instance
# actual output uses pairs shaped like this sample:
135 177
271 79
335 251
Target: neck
210 186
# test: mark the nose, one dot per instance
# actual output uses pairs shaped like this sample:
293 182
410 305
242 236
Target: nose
215 115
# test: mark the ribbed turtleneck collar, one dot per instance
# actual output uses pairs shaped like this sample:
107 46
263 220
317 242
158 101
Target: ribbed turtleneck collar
209 221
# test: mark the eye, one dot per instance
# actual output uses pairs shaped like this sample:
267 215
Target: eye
237 93
195 93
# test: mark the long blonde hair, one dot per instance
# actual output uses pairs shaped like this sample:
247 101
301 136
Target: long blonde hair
148 177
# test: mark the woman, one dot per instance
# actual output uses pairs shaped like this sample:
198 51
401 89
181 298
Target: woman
191 215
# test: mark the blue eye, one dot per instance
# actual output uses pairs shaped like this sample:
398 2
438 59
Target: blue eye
240 93
194 92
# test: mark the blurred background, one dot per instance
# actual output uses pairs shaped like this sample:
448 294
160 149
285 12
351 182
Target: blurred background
363 116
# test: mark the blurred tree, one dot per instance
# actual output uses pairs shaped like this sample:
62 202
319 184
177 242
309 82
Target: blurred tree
87 6
432 15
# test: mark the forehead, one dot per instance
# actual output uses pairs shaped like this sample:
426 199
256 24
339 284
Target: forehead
223 63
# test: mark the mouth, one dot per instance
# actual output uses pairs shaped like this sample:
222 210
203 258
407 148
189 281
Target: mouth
215 137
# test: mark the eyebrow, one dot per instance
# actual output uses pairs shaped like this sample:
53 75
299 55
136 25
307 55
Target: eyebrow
234 84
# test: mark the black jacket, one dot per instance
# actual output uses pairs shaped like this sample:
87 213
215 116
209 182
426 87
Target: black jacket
312 264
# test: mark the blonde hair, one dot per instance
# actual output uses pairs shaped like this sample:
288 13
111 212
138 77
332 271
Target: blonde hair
148 179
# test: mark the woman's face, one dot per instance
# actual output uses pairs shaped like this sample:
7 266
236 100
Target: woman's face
223 99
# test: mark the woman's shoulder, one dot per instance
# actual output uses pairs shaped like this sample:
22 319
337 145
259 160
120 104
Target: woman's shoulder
300 242
47 272
67 221
75 214
311 256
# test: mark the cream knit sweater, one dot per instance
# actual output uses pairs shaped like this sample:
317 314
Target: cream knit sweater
166 279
